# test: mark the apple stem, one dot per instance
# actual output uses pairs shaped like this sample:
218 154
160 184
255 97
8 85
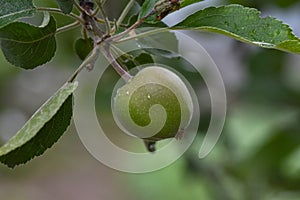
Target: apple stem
119 69
88 63
150 145
117 37
179 134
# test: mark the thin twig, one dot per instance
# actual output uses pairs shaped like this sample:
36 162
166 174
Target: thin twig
67 27
148 33
101 20
97 31
56 10
87 63
80 9
121 52
106 40
95 12
135 25
103 13
118 52
84 33
124 13
119 69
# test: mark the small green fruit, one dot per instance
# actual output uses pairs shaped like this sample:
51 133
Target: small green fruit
153 105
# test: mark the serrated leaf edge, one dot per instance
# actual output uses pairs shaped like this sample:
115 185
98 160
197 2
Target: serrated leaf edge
238 37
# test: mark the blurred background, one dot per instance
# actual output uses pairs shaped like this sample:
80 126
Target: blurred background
257 156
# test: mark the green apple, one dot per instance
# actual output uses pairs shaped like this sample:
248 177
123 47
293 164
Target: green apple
154 105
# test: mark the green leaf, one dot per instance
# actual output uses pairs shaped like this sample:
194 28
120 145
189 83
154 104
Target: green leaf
185 3
134 59
12 10
244 24
42 130
153 22
65 5
147 7
132 15
162 8
143 58
83 47
27 46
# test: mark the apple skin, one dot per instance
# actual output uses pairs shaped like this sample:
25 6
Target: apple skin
154 105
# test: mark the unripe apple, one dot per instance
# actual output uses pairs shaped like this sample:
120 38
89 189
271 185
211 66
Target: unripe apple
154 105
